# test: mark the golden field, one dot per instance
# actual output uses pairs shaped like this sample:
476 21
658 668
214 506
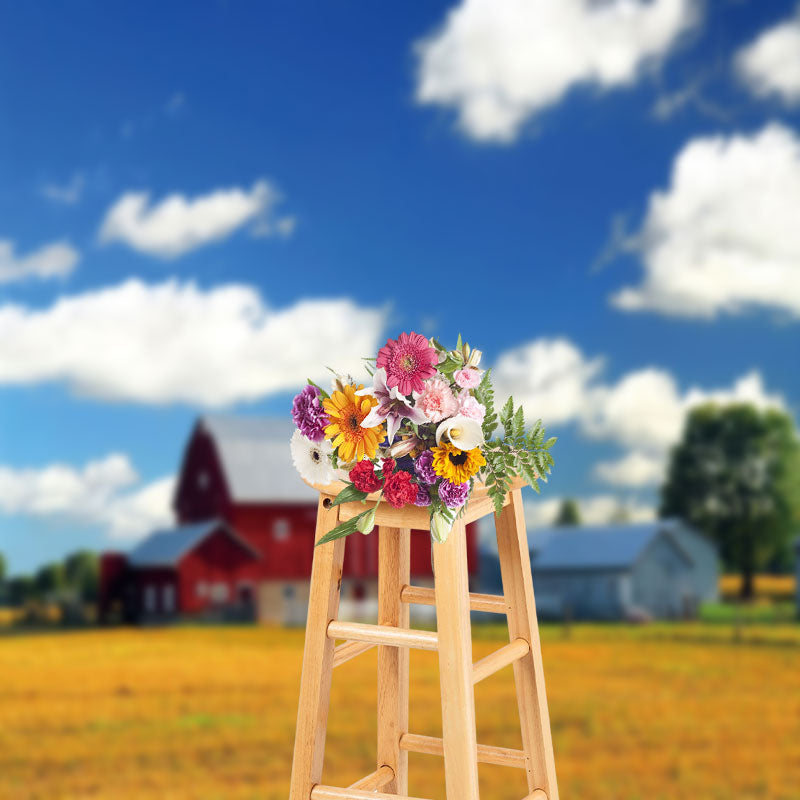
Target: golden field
638 714
766 587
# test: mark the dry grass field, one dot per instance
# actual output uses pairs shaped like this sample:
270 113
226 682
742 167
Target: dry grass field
638 714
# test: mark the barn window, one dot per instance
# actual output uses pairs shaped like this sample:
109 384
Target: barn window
168 599
150 599
280 529
201 588
203 479
288 592
219 592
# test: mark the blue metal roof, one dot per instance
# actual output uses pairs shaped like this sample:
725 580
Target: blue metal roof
167 547
594 547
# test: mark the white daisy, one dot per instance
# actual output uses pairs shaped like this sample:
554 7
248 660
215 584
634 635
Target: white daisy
312 459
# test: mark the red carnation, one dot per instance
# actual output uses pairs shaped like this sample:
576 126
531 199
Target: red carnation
399 491
364 478
388 467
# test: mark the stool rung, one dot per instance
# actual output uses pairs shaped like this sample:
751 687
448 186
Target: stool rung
320 792
344 652
537 794
512 652
487 754
383 634
423 596
375 780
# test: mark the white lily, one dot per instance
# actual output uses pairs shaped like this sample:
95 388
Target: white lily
463 432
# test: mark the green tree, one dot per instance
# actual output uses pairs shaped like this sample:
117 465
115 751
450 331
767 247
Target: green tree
735 476
568 513
21 589
2 567
82 574
50 580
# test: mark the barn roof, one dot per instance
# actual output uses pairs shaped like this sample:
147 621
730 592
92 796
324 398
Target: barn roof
256 459
166 548
597 547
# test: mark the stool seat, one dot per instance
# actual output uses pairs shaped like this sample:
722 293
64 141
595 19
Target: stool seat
452 640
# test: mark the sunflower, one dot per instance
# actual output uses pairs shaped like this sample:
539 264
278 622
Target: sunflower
346 412
457 466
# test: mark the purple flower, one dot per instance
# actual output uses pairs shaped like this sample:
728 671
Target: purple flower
453 495
309 415
423 466
423 498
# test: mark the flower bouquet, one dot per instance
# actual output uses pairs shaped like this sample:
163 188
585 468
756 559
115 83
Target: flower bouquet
421 435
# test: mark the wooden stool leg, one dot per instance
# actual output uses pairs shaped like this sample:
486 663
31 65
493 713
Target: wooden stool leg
515 567
455 666
394 546
315 684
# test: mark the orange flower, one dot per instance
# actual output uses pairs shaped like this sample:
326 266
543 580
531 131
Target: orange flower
346 412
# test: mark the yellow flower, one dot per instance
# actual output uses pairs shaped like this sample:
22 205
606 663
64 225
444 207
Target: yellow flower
457 466
346 412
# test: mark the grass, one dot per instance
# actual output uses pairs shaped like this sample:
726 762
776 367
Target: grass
637 713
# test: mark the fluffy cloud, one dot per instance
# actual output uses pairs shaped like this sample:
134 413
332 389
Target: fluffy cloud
643 412
134 515
594 510
499 62
724 236
179 224
549 376
99 493
54 260
176 342
771 64
634 469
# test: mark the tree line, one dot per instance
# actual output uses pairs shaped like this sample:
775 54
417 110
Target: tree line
70 584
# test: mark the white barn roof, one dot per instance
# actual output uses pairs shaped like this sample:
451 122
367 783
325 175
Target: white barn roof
255 457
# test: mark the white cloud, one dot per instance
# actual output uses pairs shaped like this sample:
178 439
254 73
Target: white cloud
499 62
549 376
178 224
724 236
635 469
69 194
771 64
136 514
176 342
594 510
56 260
98 493
643 412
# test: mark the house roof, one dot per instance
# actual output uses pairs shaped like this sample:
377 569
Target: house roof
165 548
597 547
256 459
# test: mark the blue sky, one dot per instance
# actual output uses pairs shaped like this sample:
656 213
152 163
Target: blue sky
335 176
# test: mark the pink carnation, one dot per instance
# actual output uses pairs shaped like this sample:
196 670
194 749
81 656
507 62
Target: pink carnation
437 400
468 406
467 378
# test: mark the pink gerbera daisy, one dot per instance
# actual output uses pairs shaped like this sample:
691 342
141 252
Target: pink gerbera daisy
408 361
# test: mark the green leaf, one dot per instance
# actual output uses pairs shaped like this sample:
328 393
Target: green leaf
348 495
322 392
550 442
344 529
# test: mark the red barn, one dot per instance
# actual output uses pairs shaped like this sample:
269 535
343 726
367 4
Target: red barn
244 538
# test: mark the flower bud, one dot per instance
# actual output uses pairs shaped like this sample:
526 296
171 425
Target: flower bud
366 522
440 528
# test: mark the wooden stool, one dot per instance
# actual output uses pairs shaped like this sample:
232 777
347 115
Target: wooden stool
453 641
